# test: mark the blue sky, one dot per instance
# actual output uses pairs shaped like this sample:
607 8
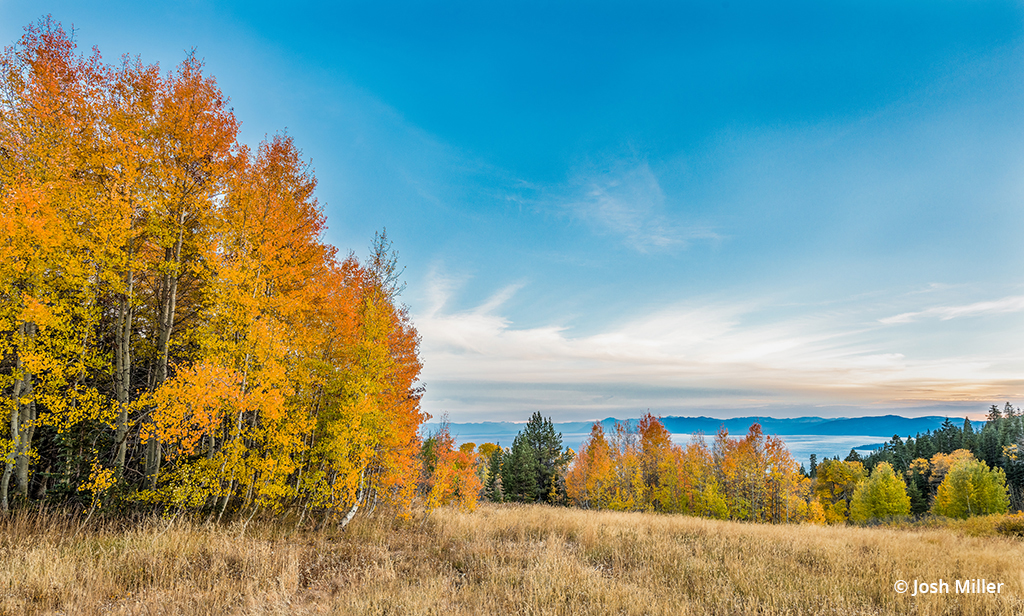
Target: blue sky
716 208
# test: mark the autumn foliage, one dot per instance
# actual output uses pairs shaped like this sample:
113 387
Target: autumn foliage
453 478
640 469
173 329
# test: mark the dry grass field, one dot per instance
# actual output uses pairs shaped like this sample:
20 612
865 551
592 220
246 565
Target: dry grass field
499 560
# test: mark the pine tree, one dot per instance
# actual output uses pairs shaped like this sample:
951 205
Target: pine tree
546 446
900 454
969 439
519 472
948 437
493 488
1015 431
918 498
1007 427
1013 465
924 446
989 445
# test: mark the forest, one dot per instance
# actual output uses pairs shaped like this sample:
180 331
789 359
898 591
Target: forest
174 332
952 473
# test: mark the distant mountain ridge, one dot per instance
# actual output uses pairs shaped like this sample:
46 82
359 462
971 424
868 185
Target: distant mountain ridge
880 425
884 426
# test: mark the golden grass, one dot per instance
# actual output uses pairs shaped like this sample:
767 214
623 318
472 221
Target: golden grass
499 560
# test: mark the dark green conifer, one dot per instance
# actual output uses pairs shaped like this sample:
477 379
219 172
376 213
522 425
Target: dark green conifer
519 472
969 439
493 487
546 445
918 498
924 447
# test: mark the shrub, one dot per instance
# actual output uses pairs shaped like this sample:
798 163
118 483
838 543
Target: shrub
1011 525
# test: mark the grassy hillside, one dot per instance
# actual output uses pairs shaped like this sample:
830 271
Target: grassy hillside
499 560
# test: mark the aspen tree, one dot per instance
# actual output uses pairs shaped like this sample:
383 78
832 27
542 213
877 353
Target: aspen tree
883 495
196 134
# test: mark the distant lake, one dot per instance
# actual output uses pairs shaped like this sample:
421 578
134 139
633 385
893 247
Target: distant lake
803 445
800 445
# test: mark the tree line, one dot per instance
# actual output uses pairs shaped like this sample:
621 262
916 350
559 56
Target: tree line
637 467
753 478
174 332
984 468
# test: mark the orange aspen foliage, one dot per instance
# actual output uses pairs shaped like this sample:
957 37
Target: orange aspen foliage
754 478
688 482
590 480
938 467
50 250
366 440
455 476
760 477
655 448
163 286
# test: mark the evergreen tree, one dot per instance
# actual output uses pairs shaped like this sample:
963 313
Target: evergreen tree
948 437
878 456
546 446
493 487
918 487
854 456
1013 465
918 496
519 472
1009 426
814 466
924 447
900 455
969 439
989 445
994 418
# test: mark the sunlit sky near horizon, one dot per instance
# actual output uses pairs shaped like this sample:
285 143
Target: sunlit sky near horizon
721 208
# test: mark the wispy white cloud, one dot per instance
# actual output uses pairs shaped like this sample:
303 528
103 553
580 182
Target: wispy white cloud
704 355
439 289
945 313
498 299
629 202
